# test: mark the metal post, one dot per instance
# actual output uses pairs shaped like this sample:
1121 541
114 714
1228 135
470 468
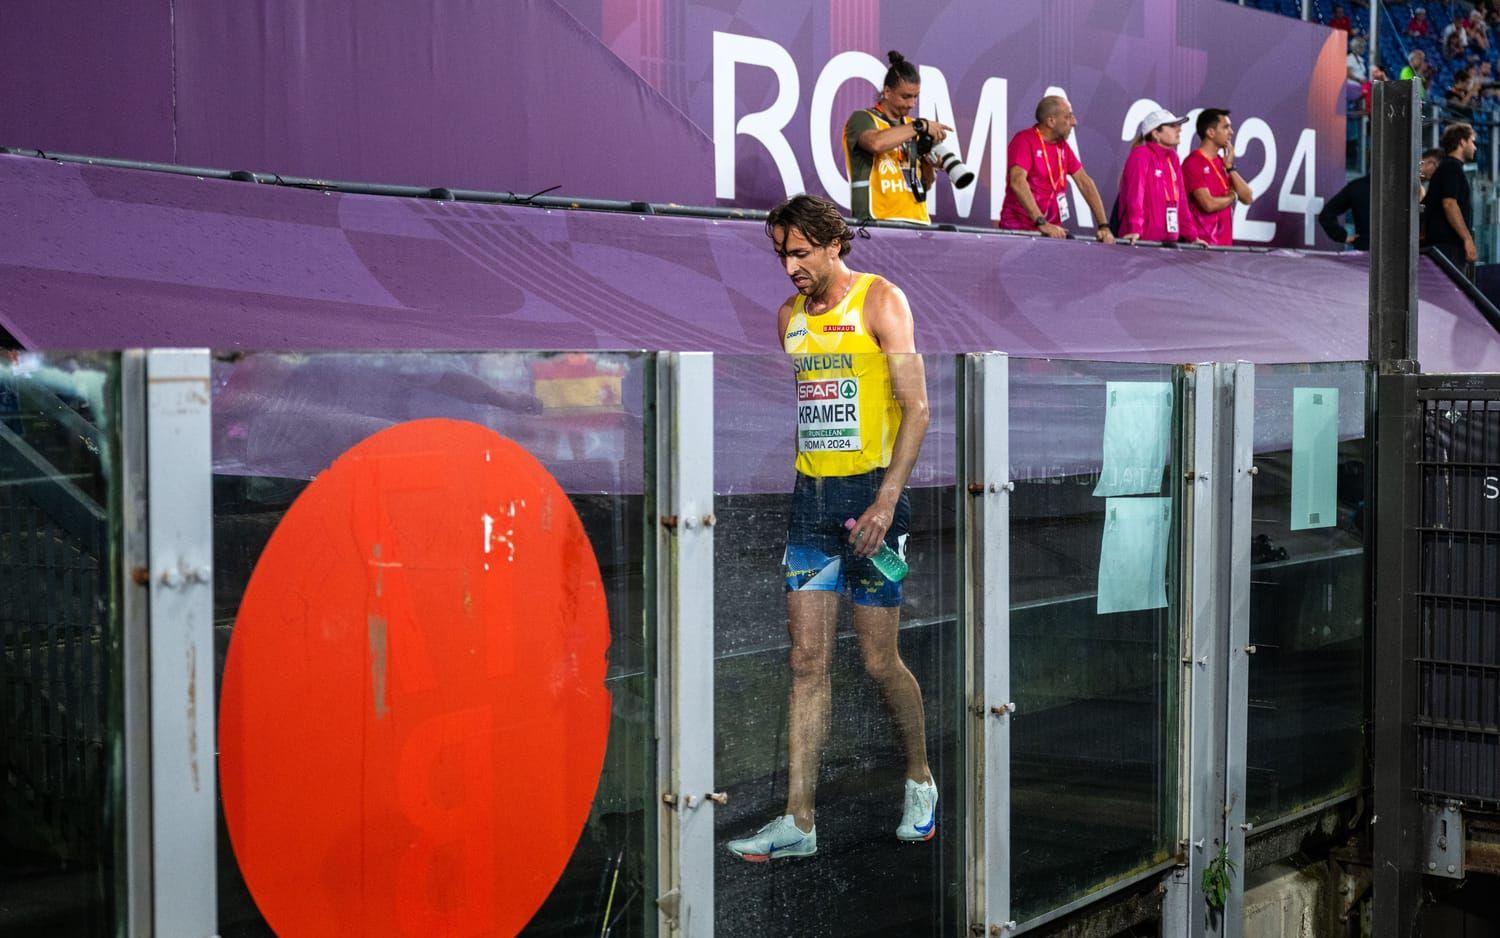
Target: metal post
684 505
1234 490
180 575
1374 46
986 406
1204 658
1393 223
1364 144
135 670
1307 9
1396 823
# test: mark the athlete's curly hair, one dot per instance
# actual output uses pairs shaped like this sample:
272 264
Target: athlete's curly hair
818 220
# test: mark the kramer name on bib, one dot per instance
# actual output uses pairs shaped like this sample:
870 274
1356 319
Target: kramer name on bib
828 415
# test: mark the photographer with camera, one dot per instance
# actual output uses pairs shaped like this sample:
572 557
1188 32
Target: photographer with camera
1040 162
891 158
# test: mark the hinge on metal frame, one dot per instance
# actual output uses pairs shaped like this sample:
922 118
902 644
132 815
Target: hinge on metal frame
1443 840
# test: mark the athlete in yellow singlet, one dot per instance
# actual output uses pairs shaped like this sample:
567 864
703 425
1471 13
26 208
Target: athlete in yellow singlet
861 396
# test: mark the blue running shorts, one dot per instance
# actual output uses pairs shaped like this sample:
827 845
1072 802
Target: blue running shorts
818 554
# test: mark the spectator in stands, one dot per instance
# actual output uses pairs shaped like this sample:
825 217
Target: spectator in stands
1455 40
1460 98
1354 62
1213 183
1417 68
888 176
1340 19
1040 161
1478 32
1447 210
1153 199
1419 27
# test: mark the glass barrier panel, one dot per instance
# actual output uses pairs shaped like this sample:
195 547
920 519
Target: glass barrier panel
435 713
1307 588
61 741
837 676
1094 630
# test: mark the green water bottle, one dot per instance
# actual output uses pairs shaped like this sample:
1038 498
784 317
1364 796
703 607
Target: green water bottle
887 561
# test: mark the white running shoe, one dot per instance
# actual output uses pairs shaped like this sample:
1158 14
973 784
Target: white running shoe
780 838
919 820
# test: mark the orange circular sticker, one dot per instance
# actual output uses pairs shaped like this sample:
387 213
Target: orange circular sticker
413 715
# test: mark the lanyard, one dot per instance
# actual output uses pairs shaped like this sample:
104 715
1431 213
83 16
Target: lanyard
1062 168
1223 176
1172 195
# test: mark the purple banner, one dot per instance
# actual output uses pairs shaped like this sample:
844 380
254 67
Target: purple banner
693 101
108 258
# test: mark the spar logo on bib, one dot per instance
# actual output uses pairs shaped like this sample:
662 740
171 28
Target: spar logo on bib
828 415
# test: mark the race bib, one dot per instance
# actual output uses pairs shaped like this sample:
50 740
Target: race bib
828 415
1171 219
1062 208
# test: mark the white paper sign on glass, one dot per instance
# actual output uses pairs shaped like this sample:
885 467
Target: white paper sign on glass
1315 457
1133 554
1137 437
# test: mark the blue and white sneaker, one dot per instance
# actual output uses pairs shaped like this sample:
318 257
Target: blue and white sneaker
780 838
919 820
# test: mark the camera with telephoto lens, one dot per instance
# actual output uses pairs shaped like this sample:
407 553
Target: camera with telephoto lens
945 154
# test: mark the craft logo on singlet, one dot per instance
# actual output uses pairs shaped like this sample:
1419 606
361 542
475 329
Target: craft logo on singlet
828 415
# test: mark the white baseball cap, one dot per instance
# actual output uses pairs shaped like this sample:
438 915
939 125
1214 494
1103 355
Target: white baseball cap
1160 118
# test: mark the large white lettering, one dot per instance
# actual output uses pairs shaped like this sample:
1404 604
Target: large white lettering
1255 129
990 129
1134 115
730 51
844 67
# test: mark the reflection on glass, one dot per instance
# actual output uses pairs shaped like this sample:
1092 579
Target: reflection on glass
279 421
1093 646
1307 588
59 644
835 684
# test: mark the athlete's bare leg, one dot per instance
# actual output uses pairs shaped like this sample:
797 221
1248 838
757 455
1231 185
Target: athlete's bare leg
812 617
877 628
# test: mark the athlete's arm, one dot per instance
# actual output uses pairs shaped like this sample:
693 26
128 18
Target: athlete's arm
888 317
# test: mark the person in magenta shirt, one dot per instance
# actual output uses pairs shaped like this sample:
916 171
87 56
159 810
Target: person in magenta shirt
1040 162
1213 184
1153 199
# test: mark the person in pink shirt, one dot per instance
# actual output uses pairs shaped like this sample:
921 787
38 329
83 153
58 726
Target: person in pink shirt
1153 199
1040 161
1213 184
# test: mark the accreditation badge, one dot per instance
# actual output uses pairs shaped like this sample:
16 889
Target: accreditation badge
1171 219
1063 214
